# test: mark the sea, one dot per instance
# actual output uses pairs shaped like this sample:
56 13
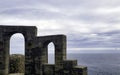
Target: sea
97 63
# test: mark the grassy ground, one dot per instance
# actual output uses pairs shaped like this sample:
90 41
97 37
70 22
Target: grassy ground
17 74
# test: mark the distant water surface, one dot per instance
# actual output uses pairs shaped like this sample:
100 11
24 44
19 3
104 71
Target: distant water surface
97 63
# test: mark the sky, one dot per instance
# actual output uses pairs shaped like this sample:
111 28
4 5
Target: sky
88 24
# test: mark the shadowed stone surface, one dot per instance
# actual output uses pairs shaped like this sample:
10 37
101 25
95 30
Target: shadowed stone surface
36 53
17 74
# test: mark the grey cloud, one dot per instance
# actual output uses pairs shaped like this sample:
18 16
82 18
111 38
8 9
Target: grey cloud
101 40
111 33
69 14
32 13
32 9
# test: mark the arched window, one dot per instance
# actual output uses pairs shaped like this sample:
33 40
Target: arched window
17 52
17 44
51 53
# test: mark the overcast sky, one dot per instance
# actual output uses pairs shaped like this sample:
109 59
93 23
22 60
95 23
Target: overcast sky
87 23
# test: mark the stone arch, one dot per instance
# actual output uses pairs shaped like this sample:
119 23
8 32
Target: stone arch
36 52
40 51
16 51
29 32
14 41
51 53
45 48
59 42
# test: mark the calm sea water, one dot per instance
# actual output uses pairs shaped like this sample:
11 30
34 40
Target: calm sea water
97 63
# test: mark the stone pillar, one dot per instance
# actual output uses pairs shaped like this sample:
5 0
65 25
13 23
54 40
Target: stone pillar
68 66
48 69
60 53
2 58
4 50
2 55
29 34
6 32
38 55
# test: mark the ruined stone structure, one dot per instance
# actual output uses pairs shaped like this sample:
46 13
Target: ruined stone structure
36 53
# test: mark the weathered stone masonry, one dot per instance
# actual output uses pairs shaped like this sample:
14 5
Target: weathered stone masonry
36 53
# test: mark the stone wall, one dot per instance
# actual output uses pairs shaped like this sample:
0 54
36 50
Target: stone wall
36 53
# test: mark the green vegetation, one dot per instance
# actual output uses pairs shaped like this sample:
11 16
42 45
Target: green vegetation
17 63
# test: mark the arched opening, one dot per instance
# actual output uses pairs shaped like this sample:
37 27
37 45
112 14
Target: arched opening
51 53
17 52
17 44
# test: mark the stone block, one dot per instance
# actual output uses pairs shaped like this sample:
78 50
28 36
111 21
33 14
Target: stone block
69 64
2 72
79 70
48 69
